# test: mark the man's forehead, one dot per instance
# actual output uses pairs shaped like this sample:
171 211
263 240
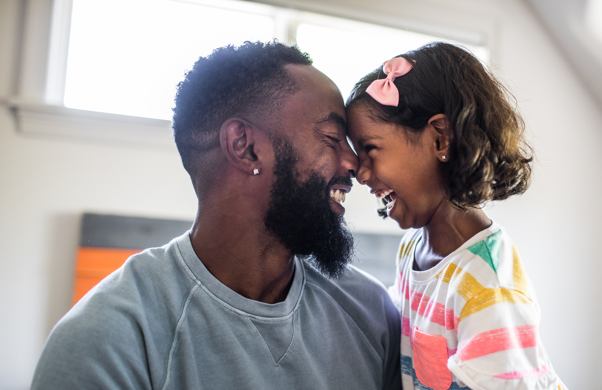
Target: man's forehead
308 77
315 91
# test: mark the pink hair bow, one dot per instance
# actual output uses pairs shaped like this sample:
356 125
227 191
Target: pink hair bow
384 91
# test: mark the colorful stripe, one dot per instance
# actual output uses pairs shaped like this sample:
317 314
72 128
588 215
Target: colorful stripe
490 297
405 326
406 249
489 249
498 340
451 320
448 273
508 341
536 373
434 311
519 275
465 284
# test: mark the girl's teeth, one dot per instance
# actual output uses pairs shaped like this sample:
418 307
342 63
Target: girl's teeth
383 194
390 205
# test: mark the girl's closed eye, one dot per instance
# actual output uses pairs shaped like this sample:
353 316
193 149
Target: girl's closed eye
369 148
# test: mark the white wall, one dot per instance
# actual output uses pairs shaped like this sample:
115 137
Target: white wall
45 183
556 224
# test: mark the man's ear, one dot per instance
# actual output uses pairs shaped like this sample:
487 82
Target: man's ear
442 134
237 140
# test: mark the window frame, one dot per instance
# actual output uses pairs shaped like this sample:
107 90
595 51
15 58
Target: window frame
38 102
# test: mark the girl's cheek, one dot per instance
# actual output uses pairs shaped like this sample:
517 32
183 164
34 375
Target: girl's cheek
379 169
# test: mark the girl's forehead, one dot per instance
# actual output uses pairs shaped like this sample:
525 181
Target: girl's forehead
358 115
359 121
363 128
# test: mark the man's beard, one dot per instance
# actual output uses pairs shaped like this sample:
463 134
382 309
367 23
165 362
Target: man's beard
301 217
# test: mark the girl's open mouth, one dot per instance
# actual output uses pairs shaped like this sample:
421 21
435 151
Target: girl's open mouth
388 197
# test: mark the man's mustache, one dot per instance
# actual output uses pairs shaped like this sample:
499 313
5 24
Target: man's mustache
345 180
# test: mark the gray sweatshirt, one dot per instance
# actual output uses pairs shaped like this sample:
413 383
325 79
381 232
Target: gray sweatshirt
163 321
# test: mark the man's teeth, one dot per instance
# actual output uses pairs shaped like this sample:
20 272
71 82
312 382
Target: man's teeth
337 195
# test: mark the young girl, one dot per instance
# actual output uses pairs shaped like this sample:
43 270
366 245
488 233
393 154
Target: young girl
437 137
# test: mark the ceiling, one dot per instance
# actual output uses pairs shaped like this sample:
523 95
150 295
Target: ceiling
582 43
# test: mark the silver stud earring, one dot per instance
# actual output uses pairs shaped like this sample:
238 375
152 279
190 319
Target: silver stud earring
444 158
256 171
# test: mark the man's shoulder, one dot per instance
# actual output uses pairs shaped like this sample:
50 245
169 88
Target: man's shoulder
106 333
134 292
364 302
352 277
156 271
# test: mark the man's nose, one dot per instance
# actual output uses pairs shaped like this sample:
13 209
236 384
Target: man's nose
349 160
363 173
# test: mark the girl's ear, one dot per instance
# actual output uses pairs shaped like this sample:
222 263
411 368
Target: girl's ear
237 140
442 135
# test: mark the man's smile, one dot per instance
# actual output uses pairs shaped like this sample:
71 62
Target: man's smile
339 187
338 194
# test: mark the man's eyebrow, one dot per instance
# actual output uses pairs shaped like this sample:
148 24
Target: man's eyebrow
335 118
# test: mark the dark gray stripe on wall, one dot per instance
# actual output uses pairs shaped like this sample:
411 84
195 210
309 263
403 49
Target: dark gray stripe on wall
376 254
117 231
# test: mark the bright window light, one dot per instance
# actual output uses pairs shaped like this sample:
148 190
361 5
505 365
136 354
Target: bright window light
593 17
127 56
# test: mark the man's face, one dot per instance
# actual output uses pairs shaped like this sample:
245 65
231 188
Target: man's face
313 168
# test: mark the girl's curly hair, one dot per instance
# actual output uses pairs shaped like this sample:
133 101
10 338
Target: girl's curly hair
489 158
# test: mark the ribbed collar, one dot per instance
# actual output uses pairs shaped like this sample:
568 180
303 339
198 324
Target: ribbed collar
233 300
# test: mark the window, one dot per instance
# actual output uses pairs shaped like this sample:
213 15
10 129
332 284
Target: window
593 17
127 56
111 67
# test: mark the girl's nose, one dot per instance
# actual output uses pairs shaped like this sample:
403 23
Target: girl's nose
363 174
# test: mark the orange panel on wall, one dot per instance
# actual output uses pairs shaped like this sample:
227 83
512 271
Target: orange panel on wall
94 264
106 242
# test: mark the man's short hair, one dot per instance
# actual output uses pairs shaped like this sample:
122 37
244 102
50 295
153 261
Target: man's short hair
248 80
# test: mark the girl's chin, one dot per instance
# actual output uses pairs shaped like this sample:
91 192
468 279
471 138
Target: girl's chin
401 224
395 215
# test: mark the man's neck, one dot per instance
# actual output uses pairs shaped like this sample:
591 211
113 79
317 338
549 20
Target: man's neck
240 253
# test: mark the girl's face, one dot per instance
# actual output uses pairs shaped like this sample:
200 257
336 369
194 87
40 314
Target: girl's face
405 174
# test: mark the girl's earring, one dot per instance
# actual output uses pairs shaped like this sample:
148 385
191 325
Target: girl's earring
256 171
444 157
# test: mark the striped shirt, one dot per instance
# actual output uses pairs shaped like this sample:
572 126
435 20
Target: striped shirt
472 320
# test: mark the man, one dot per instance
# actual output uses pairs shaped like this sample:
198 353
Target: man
258 295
